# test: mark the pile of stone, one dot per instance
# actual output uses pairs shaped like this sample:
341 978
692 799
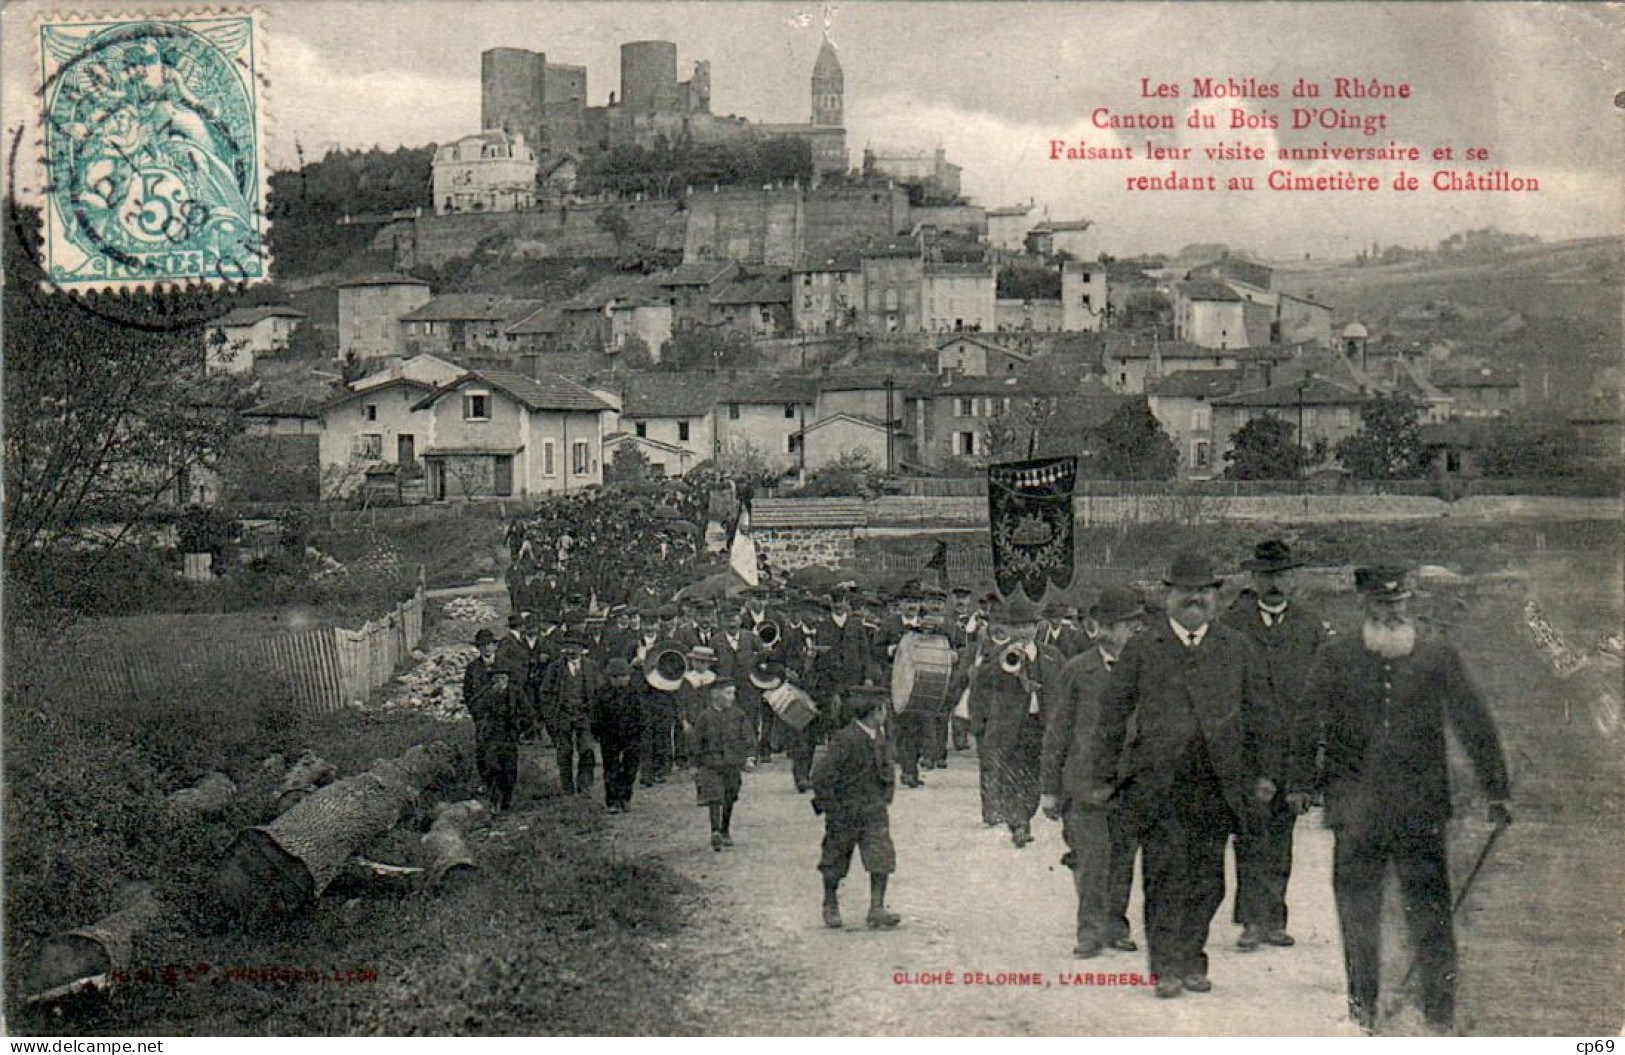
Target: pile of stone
470 610
433 686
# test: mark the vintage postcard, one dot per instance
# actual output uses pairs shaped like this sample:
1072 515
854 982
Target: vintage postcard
798 519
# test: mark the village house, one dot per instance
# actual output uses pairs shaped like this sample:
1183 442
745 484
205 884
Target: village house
676 412
489 171
588 318
893 275
841 436
958 297
1209 314
760 415
540 331
1317 410
429 369
1303 319
464 324
1085 298
755 305
295 415
1477 389
370 311
1130 362
1073 237
971 356
1182 403
244 333
363 430
963 408
928 169
496 433
689 288
877 398
826 293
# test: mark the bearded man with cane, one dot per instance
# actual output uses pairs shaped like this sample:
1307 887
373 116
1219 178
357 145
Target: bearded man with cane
1384 698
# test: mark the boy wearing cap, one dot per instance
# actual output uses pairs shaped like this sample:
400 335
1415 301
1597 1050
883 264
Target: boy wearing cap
853 785
1384 697
723 740
1286 634
618 715
496 727
1101 845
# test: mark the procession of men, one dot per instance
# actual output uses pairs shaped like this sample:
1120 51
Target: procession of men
1157 727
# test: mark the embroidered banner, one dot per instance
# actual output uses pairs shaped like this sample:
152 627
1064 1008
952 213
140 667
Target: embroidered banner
1030 518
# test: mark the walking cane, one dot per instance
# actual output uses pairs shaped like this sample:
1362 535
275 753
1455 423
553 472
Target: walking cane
1461 896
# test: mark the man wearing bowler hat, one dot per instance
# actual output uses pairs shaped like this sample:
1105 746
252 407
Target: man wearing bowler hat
569 686
1194 774
1384 697
496 722
1101 845
1286 634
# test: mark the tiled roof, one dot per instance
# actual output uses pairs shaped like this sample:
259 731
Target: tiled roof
1316 392
968 269
249 316
668 395
382 386
754 291
1064 225
614 287
547 393
1468 375
766 388
542 320
480 307
1196 384
388 278
1010 210
695 273
296 406
807 512
838 260
906 384
1207 289
1116 349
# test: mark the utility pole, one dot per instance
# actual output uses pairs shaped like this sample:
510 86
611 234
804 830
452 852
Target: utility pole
890 425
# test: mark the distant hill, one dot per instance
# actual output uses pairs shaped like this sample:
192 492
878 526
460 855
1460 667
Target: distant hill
1553 309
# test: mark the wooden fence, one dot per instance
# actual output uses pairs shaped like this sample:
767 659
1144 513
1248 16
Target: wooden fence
321 669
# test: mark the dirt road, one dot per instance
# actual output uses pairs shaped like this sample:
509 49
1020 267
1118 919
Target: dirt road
971 903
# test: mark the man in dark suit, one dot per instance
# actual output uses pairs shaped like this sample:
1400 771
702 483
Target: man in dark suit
1385 697
843 657
496 725
1194 773
1101 846
524 656
1059 632
1010 694
853 784
569 686
1286 634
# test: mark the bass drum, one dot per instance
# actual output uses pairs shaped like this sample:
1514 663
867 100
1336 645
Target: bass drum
921 671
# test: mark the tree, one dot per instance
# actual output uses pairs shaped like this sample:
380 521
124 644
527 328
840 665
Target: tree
109 415
1133 446
708 348
613 222
1029 282
1522 447
853 474
1389 443
634 354
1265 449
629 468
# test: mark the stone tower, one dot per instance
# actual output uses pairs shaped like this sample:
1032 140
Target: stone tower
828 89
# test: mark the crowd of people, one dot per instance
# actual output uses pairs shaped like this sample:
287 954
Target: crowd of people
1155 726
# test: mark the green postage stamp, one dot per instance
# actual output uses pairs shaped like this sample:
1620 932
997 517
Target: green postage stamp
154 150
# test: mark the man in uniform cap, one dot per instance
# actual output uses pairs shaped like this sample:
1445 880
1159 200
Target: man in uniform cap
1011 691
853 784
1191 687
1101 845
1286 635
569 686
1384 697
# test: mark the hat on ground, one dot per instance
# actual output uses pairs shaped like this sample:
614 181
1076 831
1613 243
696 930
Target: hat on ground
618 668
863 699
1016 608
1383 582
485 637
1191 571
1116 604
767 675
702 652
1271 555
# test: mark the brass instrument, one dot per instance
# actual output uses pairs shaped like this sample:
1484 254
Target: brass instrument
1013 658
768 633
664 665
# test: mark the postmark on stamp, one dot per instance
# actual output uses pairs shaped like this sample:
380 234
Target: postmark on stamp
154 151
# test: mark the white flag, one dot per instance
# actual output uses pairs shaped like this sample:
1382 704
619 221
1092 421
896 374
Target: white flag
742 558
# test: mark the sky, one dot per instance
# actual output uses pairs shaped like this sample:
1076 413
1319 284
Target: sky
994 84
